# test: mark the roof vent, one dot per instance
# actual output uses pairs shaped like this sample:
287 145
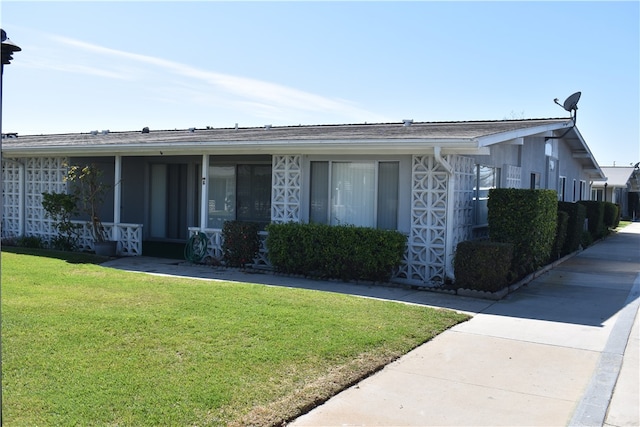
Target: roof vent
407 122
192 130
94 132
236 126
105 131
267 127
145 129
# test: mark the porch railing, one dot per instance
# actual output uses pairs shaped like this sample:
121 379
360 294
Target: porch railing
129 237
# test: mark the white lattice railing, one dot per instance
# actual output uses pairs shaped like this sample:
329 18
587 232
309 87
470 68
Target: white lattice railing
215 240
129 237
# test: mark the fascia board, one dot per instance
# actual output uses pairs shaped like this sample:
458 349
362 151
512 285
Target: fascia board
497 138
409 146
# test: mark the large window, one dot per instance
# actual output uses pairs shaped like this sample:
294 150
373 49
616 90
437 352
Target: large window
355 193
486 178
241 192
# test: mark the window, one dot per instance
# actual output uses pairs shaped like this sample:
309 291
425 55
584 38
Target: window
583 190
241 192
597 194
535 181
356 193
486 178
562 182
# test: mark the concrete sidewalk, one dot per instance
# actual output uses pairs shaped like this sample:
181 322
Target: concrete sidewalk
552 353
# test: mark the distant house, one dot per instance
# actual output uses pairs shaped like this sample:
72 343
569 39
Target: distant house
622 186
427 180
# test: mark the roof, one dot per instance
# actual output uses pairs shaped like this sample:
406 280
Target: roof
465 136
470 138
617 176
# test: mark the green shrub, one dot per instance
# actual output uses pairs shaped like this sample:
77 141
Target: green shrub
527 219
483 265
33 242
241 243
342 252
595 218
575 226
611 215
587 239
561 235
60 207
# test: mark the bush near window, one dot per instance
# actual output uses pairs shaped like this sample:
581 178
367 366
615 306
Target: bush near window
561 235
611 215
241 243
341 252
527 219
575 226
595 217
483 265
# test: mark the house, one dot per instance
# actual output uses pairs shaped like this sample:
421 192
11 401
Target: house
622 186
428 180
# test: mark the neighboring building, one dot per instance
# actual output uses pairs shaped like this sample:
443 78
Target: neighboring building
428 180
622 186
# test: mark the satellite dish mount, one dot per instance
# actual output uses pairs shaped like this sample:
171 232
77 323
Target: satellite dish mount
570 105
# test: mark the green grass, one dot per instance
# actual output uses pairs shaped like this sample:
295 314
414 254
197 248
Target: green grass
87 345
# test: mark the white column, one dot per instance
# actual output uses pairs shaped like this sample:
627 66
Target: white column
117 197
204 195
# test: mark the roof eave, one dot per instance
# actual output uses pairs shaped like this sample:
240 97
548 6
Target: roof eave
371 146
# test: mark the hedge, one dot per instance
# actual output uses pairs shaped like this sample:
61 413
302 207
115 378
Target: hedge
341 252
483 265
561 235
595 218
241 243
527 219
575 226
611 215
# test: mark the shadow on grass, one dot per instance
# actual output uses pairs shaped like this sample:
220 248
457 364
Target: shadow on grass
70 257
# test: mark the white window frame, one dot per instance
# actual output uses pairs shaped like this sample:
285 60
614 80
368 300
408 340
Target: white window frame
376 162
562 183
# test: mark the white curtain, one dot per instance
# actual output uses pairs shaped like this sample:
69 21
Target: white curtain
353 193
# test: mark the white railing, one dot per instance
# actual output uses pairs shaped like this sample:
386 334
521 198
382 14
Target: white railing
215 240
129 237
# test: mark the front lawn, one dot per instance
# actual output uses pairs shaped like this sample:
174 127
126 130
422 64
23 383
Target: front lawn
88 345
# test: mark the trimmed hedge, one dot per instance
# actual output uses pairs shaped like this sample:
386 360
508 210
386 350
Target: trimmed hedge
241 243
483 265
341 252
527 219
575 226
611 215
561 235
595 217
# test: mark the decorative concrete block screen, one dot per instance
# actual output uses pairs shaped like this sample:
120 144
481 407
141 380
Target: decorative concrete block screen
286 188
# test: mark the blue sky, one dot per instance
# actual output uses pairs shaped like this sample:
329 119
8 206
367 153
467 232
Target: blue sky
174 65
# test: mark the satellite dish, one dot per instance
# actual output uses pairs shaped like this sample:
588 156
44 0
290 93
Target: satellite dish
572 102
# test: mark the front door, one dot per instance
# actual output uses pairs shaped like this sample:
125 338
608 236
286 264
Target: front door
169 211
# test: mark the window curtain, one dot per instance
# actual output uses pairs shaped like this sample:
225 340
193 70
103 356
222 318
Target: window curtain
353 194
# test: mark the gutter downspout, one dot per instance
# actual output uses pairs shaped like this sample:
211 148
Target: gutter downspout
21 192
448 258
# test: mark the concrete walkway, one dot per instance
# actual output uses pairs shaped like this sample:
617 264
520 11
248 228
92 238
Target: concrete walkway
562 350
